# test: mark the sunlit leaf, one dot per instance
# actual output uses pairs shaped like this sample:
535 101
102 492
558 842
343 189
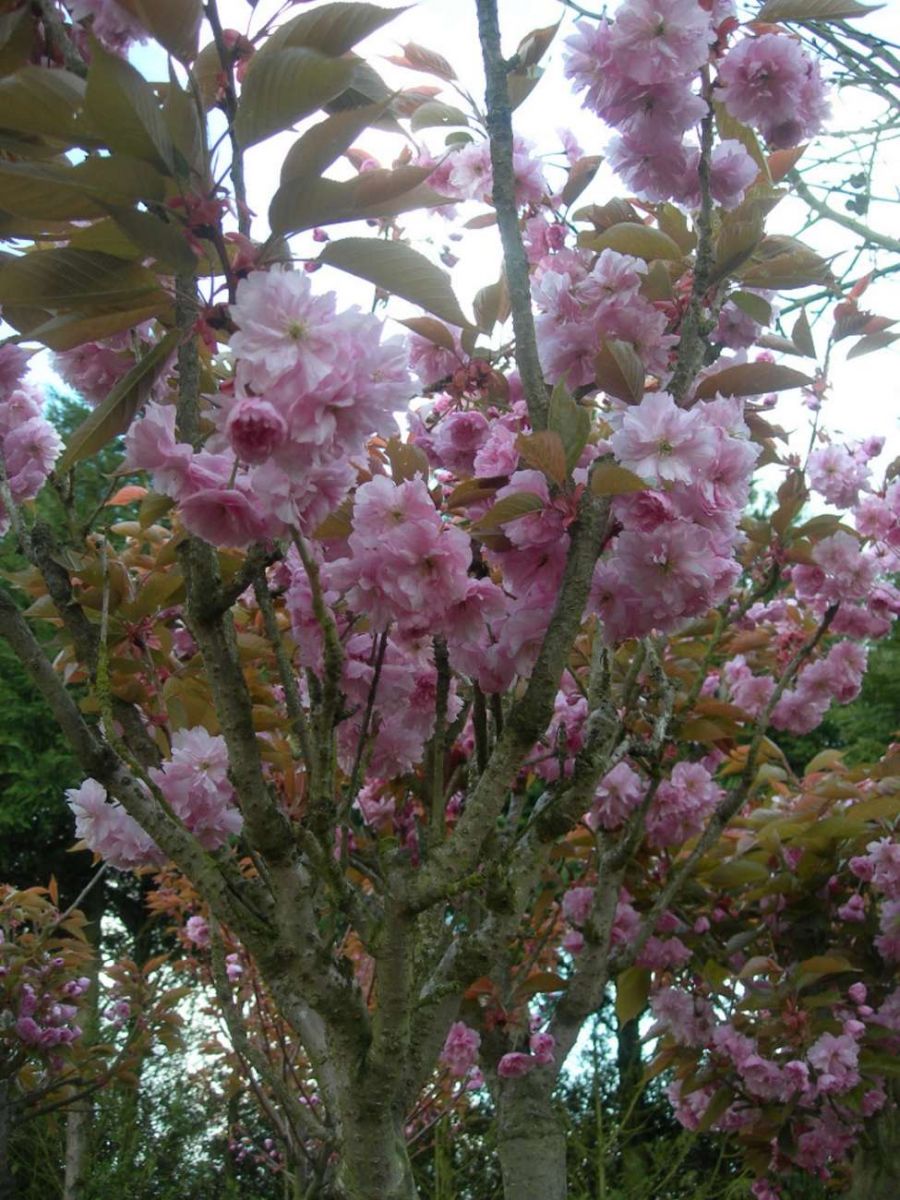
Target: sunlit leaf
283 86
400 270
751 379
117 411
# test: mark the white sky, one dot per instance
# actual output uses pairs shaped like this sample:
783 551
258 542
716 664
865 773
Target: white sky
866 392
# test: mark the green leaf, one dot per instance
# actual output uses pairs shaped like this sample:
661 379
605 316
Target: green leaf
783 263
736 243
303 204
751 379
571 421
608 479
731 128
757 308
67 279
874 341
492 305
400 270
581 173
183 123
406 461
434 114
814 10
66 332
632 990
545 452
434 331
630 238
117 411
801 336
740 872
420 58
510 508
53 192
16 40
174 23
282 87
123 109
164 241
541 981
153 506
332 29
319 146
619 371
35 100
716 1107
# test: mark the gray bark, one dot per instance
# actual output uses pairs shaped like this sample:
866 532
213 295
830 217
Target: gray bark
531 1140
7 1183
375 1163
876 1165
78 1129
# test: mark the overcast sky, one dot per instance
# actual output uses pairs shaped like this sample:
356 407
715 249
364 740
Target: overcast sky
866 391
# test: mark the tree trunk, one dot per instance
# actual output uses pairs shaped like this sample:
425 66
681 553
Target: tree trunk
375 1163
876 1164
78 1132
531 1140
7 1183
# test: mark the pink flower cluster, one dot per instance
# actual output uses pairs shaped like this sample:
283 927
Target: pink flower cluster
880 868
193 781
406 566
542 1053
640 75
311 386
29 445
674 556
467 174
839 473
773 83
111 24
460 1052
581 301
44 1021
108 830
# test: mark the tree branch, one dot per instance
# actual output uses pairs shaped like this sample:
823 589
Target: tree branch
499 127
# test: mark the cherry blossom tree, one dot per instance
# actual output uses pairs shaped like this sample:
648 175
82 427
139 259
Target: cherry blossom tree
451 725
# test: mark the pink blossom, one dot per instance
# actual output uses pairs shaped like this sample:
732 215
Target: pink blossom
109 830
497 454
195 783
283 327
619 792
577 904
459 437
111 24
543 1047
515 1065
255 430
29 451
772 82
196 930
660 441
657 40
836 1059
683 1015
224 516
731 171
460 1050
13 364
837 475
